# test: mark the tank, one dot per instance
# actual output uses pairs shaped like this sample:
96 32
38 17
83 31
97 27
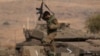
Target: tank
69 42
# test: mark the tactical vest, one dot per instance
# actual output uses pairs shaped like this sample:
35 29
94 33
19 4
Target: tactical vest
49 22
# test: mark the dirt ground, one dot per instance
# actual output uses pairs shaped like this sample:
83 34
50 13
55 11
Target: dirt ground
16 13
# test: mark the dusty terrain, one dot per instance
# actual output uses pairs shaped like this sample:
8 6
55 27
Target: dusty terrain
16 13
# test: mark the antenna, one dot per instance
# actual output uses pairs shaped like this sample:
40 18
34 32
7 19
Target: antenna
42 0
28 23
15 37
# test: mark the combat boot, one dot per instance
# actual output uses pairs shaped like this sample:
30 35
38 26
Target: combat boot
50 53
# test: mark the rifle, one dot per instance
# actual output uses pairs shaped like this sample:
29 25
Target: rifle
40 10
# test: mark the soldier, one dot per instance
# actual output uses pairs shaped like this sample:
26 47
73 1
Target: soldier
52 25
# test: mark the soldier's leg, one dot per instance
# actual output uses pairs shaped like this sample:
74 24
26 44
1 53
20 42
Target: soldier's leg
49 38
50 41
52 46
46 43
49 51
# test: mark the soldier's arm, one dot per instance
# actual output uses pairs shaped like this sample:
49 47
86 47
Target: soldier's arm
54 24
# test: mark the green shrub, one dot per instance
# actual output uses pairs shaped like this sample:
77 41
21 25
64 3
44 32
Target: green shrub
93 24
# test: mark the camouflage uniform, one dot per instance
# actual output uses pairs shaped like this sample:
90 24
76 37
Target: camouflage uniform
52 25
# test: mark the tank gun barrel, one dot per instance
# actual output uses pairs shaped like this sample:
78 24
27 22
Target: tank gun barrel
76 39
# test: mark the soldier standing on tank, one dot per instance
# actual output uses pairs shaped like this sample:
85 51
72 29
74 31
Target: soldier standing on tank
52 25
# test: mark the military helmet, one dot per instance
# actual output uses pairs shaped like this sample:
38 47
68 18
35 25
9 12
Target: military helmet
45 14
